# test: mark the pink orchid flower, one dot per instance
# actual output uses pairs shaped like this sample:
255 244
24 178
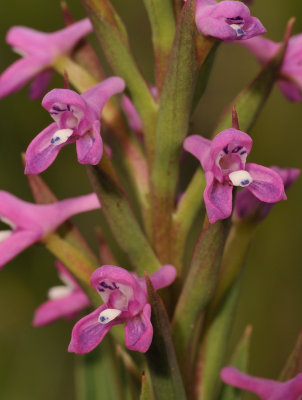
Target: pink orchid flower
290 79
227 20
266 389
39 51
65 301
77 119
125 301
31 222
224 162
247 205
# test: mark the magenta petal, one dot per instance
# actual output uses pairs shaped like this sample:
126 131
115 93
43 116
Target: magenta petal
97 96
198 146
227 137
291 91
139 331
63 96
262 387
90 145
26 39
17 242
267 184
288 175
88 332
64 307
40 153
217 198
19 73
163 277
134 120
40 84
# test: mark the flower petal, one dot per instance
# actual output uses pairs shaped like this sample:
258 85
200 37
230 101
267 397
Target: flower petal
41 153
40 84
27 40
88 332
217 198
65 97
97 96
267 184
163 277
119 288
139 331
133 117
199 147
264 388
90 145
17 242
65 307
20 72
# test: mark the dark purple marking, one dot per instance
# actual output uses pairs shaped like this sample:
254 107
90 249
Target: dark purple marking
243 152
226 149
56 108
105 286
236 149
68 107
53 113
238 18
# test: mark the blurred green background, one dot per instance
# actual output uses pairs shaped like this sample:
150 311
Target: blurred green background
34 363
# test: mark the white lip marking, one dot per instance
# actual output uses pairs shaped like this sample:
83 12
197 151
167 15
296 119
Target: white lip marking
4 235
61 136
57 292
240 178
108 315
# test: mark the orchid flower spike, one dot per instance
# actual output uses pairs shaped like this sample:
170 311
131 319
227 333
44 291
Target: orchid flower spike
125 301
31 222
266 389
227 20
65 301
247 205
39 51
290 77
224 162
77 119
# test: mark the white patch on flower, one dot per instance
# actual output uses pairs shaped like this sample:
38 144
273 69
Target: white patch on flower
20 52
240 178
108 315
4 235
238 29
57 292
61 136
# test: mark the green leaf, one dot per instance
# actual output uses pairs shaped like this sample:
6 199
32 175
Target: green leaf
293 365
250 100
197 291
172 125
162 21
214 346
121 219
239 359
115 46
166 379
98 374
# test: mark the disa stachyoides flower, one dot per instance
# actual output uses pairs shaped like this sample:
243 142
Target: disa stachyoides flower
290 77
247 205
65 301
39 52
227 20
31 222
125 301
77 119
224 162
266 389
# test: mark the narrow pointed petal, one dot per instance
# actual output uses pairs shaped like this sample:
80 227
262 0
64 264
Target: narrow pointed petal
290 91
88 332
264 388
19 73
288 175
199 147
262 48
139 331
65 307
97 96
17 242
217 198
267 184
26 39
41 153
65 39
163 277
40 84
90 146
